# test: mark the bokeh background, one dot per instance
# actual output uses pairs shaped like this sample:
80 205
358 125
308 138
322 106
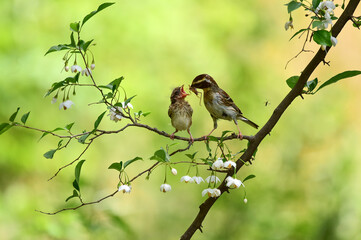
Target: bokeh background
307 172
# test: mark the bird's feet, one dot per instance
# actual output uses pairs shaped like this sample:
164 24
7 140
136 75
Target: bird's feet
240 136
191 139
172 136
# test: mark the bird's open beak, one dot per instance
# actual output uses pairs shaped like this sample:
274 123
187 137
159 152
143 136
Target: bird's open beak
183 93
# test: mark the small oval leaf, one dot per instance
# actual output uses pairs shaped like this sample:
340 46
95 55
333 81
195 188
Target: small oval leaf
13 116
50 154
338 77
322 37
127 163
249 177
25 117
77 170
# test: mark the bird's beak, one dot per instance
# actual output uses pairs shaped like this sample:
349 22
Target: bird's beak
193 89
183 93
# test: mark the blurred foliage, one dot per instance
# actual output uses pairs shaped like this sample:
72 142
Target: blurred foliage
308 170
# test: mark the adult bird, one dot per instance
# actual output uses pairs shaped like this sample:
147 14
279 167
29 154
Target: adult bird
218 102
180 112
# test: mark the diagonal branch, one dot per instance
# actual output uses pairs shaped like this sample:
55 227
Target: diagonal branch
280 109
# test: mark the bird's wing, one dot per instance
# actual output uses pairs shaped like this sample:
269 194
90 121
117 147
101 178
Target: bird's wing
190 109
227 100
170 111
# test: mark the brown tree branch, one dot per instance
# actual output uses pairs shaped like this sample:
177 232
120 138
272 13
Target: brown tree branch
280 109
163 133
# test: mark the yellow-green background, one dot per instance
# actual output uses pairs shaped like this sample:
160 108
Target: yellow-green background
308 171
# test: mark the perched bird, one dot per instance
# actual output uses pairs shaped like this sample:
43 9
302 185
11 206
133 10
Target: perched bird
218 102
180 112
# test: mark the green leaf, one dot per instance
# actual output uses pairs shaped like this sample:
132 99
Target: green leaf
75 194
69 126
315 3
60 143
312 84
191 156
76 185
85 45
72 40
25 117
99 119
46 133
13 116
209 150
128 100
293 5
4 127
356 24
212 139
63 83
74 79
77 171
145 114
249 177
301 30
161 156
316 24
322 37
59 47
90 15
83 138
255 152
54 87
224 133
291 82
117 166
127 163
50 154
113 85
75 26
343 75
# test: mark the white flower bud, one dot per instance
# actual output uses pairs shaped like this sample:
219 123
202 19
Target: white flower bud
217 165
187 179
288 25
67 104
124 188
174 171
165 187
334 41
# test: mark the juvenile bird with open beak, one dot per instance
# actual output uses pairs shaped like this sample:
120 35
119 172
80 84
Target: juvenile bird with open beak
218 103
180 112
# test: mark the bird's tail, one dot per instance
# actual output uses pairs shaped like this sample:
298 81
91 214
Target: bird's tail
249 122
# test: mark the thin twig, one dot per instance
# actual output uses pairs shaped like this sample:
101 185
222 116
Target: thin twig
67 165
79 206
50 132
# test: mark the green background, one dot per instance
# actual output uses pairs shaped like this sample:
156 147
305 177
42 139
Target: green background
308 170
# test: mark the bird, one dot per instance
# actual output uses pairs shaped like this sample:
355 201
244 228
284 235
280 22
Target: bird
218 103
180 112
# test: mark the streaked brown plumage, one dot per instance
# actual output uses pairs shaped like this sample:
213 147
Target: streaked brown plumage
218 102
180 112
